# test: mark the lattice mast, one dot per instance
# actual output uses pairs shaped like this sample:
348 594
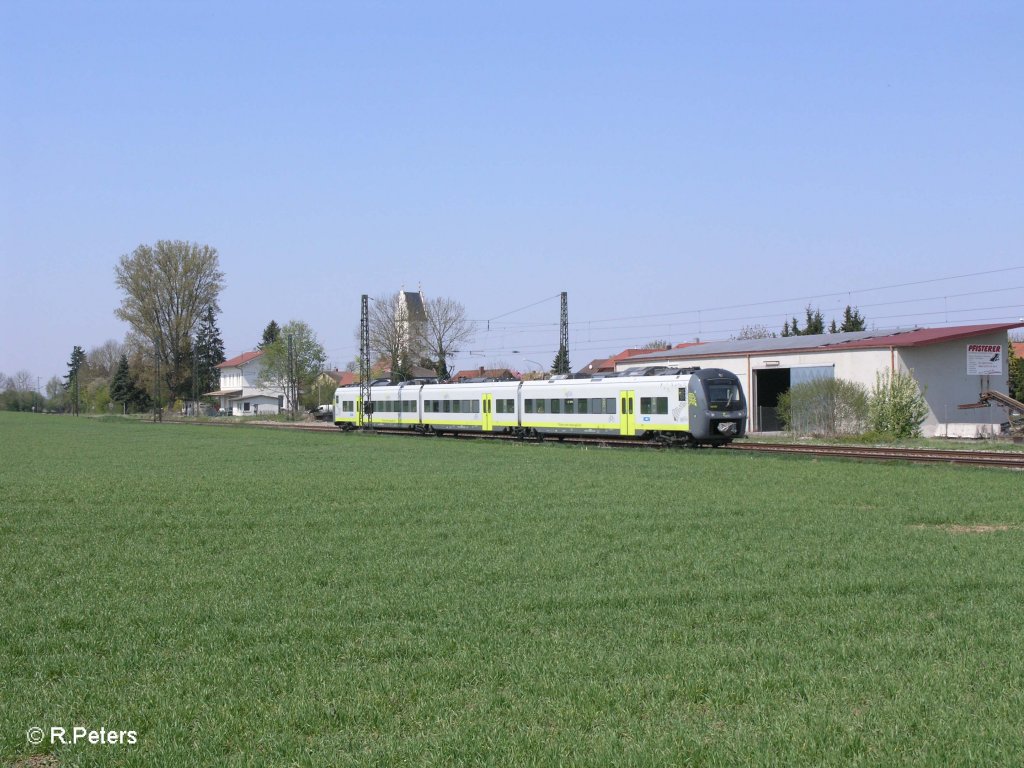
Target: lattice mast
562 364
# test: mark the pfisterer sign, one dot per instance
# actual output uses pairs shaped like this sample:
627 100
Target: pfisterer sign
984 359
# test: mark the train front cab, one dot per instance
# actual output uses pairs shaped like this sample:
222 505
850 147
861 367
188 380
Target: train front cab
718 409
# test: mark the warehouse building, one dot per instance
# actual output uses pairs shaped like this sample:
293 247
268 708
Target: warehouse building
953 366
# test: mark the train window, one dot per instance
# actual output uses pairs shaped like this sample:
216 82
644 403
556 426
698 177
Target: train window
682 394
540 405
556 406
475 405
569 406
456 406
654 405
447 406
510 406
596 405
581 405
723 393
609 405
528 405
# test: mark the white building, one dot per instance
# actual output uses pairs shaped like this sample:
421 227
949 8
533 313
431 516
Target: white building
239 393
953 366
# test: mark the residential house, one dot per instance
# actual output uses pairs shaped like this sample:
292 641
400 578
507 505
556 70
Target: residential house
240 394
481 373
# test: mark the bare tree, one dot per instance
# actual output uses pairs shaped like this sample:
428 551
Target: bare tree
748 332
23 383
166 289
391 338
446 329
103 360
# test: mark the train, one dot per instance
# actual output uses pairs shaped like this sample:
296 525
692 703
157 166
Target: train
684 406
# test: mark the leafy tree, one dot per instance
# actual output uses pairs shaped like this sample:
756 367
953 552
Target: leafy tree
71 381
657 344
826 407
56 396
270 334
445 330
19 391
897 406
166 288
208 352
292 362
1016 373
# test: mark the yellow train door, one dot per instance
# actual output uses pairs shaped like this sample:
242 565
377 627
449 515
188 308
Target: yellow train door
627 426
487 416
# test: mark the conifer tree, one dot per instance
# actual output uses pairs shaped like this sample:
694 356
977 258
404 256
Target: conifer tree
208 352
71 379
122 386
852 320
270 334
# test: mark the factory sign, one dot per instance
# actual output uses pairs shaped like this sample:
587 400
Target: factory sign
984 359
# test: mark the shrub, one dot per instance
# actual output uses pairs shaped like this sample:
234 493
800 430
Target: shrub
897 405
825 407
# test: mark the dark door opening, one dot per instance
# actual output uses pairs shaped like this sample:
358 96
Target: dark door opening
769 383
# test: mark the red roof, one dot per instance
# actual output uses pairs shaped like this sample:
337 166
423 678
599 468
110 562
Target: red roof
242 359
485 373
633 352
1018 348
922 337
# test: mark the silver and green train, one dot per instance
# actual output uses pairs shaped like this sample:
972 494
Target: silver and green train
685 406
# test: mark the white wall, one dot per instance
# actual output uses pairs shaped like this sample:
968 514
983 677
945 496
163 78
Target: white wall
942 370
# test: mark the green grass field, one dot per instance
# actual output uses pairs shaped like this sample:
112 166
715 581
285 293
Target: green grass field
240 596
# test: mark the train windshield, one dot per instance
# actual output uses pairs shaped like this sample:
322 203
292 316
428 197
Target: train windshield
724 394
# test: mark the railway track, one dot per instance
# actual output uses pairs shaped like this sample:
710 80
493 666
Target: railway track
1003 459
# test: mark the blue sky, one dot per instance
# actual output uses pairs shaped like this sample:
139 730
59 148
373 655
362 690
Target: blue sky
672 166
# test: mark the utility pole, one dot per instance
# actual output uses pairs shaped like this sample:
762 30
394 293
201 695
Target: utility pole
158 414
365 393
291 377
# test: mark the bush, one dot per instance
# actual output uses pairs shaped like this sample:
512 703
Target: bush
897 405
825 407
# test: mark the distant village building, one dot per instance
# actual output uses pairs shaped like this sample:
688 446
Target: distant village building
486 374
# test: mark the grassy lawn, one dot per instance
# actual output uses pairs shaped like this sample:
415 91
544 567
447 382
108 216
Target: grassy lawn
259 597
